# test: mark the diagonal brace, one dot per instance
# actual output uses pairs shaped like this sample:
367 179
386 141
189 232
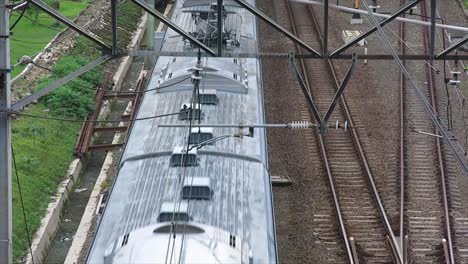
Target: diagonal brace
46 8
338 93
304 89
277 26
35 96
422 98
403 9
453 47
173 26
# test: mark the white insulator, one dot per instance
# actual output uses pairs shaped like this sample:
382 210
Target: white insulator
346 125
337 125
194 77
300 124
25 60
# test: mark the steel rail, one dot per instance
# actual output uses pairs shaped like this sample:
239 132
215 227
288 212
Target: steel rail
440 157
323 150
396 249
402 138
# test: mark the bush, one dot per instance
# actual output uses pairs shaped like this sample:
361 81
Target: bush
76 98
67 102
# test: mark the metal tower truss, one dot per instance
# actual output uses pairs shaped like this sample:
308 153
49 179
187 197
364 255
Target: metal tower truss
112 52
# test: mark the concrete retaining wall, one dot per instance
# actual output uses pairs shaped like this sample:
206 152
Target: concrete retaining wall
50 223
86 221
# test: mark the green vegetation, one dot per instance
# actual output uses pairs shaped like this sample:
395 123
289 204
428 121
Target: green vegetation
31 36
106 184
466 3
42 152
44 148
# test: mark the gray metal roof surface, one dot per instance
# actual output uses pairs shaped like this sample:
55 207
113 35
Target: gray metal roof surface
241 202
243 22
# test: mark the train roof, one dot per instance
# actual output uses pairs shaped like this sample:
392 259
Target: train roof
198 243
235 168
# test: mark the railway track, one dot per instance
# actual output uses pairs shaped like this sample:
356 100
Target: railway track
355 216
430 210
422 194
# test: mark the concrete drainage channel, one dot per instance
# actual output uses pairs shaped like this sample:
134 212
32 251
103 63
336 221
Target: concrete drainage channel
72 214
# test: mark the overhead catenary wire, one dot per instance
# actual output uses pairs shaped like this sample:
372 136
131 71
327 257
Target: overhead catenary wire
65 36
23 210
20 16
111 91
195 101
426 105
29 42
457 88
9 112
183 163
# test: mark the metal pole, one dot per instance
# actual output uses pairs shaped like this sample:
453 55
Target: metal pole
422 98
340 91
155 13
114 26
325 29
220 26
271 55
433 29
63 19
304 89
150 60
389 19
6 248
401 19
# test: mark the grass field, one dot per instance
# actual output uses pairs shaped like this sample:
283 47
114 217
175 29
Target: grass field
44 148
42 153
29 38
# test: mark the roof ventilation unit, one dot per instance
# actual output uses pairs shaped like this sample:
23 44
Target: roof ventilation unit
174 212
180 157
186 114
197 188
208 96
200 134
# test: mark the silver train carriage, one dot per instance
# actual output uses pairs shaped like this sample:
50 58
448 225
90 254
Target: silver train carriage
188 194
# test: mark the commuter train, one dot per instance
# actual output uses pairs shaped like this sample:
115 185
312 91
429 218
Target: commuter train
192 187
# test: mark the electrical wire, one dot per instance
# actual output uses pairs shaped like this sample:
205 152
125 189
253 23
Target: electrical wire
20 16
42 25
22 204
114 92
65 36
183 164
29 42
9 112
457 91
